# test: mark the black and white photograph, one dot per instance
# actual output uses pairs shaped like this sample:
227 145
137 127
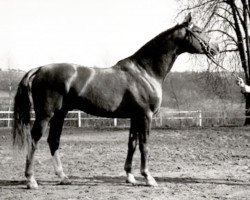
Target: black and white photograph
125 99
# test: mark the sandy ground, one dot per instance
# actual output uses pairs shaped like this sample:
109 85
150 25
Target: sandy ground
187 164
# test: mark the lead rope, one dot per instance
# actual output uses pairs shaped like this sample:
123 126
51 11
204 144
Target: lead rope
208 54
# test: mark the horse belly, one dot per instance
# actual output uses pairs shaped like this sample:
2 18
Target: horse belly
100 106
103 101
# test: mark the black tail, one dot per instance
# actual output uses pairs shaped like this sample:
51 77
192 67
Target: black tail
22 106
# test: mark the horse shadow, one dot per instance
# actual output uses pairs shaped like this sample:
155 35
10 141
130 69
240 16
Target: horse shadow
120 181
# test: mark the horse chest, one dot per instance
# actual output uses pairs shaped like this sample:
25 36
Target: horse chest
150 93
155 98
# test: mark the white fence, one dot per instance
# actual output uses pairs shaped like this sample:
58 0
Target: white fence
163 119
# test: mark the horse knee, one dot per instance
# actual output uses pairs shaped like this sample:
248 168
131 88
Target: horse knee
144 148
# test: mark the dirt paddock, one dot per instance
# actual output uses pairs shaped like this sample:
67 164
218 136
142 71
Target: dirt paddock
187 164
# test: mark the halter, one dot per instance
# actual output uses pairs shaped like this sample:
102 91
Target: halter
204 45
205 48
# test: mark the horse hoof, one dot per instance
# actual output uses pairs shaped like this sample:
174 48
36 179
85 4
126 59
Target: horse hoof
151 183
131 179
132 182
32 185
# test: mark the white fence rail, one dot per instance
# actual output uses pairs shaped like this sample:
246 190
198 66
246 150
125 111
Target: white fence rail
197 115
198 118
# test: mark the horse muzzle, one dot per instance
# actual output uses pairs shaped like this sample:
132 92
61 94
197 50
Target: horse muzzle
213 48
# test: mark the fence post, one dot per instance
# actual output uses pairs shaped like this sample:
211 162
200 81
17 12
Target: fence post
199 118
160 115
115 122
8 125
79 119
9 118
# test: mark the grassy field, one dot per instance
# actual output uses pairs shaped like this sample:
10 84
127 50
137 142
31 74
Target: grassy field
187 164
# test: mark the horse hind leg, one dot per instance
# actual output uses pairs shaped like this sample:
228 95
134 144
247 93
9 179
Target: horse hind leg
39 127
53 140
132 143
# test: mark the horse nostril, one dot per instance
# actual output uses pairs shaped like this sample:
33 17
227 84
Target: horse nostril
217 48
214 46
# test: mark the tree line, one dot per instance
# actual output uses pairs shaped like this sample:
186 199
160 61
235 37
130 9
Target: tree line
200 90
10 78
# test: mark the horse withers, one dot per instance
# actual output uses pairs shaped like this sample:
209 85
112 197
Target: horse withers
130 89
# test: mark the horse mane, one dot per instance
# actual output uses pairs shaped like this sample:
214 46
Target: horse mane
153 44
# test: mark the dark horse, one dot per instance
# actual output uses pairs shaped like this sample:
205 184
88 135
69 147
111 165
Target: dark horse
130 89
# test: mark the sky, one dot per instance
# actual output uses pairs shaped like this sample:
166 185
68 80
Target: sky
87 32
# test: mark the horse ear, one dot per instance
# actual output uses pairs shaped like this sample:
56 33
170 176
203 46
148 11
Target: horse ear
187 19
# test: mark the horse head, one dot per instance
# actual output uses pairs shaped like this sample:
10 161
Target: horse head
193 39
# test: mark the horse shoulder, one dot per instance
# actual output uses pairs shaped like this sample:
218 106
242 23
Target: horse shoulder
150 90
145 89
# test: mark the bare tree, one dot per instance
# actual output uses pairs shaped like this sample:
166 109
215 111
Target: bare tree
229 22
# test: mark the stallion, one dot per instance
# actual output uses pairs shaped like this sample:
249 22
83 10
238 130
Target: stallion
130 89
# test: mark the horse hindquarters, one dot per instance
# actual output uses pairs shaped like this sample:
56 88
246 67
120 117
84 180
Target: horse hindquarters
45 103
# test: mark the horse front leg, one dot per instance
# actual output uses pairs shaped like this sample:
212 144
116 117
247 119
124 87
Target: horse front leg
132 143
145 127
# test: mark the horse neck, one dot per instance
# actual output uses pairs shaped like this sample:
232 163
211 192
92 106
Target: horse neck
155 59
